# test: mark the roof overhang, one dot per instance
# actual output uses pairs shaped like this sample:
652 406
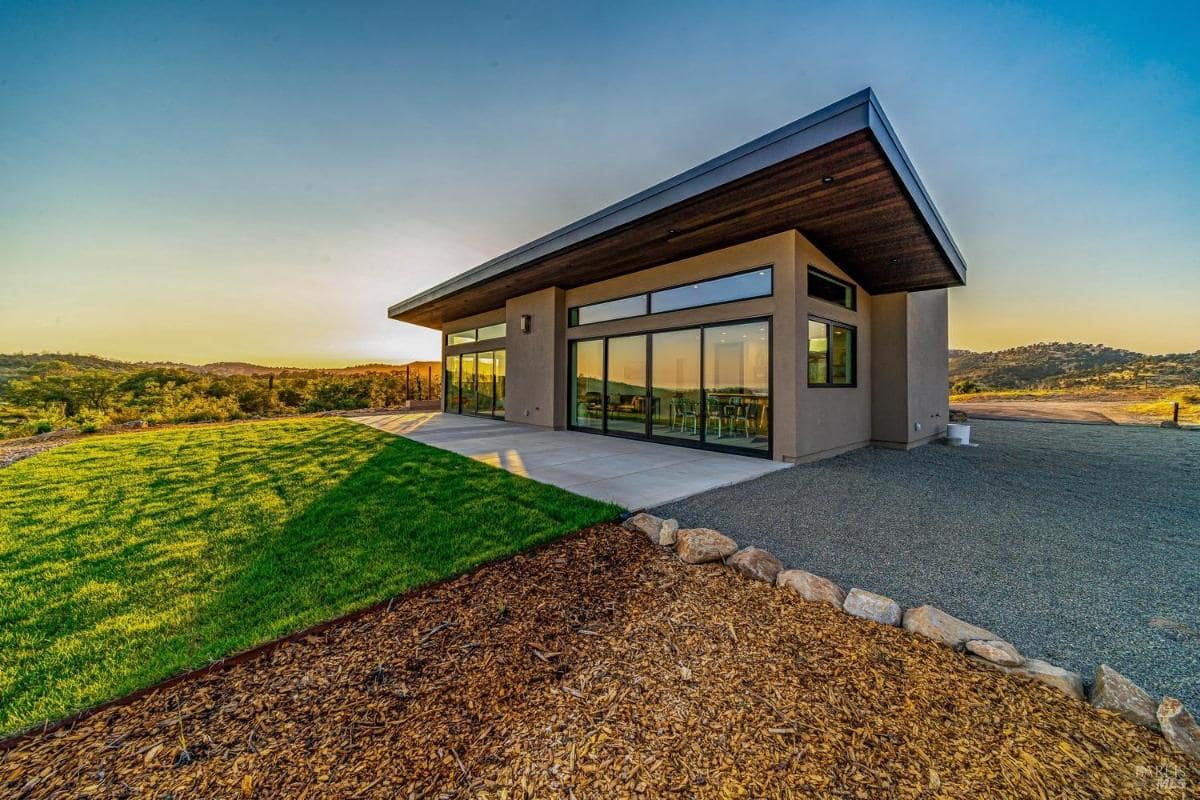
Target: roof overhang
839 176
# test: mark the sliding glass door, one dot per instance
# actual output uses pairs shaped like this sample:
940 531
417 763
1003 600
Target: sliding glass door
707 386
625 387
587 385
498 394
468 383
737 372
452 384
675 385
475 383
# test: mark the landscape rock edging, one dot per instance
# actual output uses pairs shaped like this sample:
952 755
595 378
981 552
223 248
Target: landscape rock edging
756 564
1111 690
875 607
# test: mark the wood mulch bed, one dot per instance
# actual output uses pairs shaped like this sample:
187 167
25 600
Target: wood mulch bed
600 667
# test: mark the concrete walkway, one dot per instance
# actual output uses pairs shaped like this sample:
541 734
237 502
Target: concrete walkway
630 473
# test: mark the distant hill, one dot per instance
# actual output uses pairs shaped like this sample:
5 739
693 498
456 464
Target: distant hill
1070 365
16 365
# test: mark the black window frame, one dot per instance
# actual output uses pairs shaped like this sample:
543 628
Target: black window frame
573 311
457 407
475 334
822 274
648 435
830 324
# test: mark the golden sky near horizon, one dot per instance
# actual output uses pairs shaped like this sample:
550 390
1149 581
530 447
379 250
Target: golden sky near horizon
242 182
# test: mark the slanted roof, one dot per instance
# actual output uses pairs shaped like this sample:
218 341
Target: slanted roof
839 176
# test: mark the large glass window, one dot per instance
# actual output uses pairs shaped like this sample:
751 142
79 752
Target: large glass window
485 373
587 370
831 354
675 384
610 309
462 337
626 388
742 286
469 403
826 287
500 383
709 385
496 331
737 369
756 283
452 384
475 383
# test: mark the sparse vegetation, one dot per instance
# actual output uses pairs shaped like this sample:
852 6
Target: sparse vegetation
89 393
1148 385
1072 366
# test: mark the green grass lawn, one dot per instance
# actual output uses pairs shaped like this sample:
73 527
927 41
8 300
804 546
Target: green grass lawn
126 559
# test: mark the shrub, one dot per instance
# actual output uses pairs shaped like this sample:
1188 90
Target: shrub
91 421
43 426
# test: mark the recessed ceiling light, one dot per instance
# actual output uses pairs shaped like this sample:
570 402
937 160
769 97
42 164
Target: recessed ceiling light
894 261
828 179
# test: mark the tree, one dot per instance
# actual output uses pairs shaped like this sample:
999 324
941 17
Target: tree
93 387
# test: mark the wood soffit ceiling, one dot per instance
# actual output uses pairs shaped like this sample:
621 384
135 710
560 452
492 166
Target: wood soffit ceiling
865 220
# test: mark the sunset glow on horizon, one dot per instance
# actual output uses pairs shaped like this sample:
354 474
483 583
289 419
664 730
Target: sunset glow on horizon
258 182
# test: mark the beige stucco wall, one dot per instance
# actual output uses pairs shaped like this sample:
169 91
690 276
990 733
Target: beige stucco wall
911 372
778 251
537 361
889 369
928 365
830 419
901 348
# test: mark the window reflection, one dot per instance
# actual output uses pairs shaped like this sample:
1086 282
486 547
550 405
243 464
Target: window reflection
626 386
452 384
468 384
830 354
485 364
737 364
675 392
611 309
818 350
500 383
706 385
587 369
717 290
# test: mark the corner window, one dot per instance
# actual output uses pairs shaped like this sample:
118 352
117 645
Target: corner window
828 288
831 354
462 337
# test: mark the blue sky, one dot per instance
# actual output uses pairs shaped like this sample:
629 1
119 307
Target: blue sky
213 181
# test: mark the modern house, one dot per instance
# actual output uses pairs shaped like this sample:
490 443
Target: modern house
786 299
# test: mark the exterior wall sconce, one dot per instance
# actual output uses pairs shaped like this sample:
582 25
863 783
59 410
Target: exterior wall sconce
526 323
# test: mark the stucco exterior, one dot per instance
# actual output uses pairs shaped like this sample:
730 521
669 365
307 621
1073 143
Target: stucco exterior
901 348
878 361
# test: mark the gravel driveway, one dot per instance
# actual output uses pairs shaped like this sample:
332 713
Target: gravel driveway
1080 544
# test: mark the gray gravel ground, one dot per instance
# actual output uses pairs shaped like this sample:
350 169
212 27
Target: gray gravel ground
1080 544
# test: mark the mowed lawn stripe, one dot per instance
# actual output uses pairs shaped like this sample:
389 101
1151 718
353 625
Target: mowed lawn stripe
127 559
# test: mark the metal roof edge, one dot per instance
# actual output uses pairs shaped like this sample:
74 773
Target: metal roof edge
820 127
885 134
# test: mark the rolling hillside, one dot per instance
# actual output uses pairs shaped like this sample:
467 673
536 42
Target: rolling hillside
17 365
1070 365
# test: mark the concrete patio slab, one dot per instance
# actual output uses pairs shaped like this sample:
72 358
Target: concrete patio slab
630 473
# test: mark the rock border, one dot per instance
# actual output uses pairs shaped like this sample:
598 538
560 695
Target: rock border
1111 691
